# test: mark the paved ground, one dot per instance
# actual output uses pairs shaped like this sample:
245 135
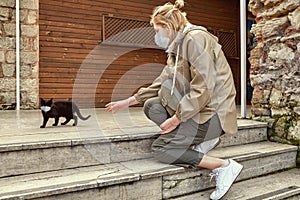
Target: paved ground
24 126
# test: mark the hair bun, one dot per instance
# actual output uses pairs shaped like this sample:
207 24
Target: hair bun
179 4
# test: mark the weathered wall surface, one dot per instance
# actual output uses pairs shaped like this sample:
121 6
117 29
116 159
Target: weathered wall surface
275 67
29 53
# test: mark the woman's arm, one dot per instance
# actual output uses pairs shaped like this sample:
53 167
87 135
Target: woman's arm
115 107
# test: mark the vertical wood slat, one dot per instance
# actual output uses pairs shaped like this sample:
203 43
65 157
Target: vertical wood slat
68 33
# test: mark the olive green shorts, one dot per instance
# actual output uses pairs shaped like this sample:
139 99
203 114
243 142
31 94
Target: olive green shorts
175 147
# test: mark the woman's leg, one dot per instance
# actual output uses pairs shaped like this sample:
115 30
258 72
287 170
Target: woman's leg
212 139
209 162
175 147
155 111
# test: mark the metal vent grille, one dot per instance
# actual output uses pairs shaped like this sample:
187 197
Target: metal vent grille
228 41
137 33
127 32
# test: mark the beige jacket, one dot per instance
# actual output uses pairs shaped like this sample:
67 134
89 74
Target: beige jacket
203 77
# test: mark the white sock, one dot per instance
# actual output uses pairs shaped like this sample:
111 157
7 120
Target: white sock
226 163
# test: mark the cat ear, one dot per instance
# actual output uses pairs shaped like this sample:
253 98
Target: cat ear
42 100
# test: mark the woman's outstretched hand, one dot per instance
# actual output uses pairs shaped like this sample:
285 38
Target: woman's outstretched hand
169 125
115 107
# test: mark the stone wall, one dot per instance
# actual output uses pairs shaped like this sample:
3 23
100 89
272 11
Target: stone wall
29 53
275 68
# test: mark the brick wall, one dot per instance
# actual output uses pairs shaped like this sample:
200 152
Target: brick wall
29 53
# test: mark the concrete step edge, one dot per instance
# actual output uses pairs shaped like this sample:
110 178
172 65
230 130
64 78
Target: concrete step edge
147 132
275 186
65 181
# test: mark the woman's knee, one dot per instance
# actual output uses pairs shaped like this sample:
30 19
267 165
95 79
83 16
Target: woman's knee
152 103
155 111
159 153
156 146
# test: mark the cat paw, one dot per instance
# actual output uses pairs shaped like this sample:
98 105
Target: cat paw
74 124
54 124
63 124
42 126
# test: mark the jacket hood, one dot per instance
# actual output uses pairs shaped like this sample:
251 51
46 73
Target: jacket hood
182 33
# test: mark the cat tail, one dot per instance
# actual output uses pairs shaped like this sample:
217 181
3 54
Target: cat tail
77 111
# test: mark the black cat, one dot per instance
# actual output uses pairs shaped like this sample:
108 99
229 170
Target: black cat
59 109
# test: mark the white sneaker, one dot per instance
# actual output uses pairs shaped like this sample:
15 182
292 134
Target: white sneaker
225 176
208 145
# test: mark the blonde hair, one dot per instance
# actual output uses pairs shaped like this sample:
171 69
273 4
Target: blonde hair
170 16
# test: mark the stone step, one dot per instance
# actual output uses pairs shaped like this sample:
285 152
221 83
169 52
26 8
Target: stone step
41 150
278 186
144 179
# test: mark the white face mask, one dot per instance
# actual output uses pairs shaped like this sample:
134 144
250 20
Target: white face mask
45 108
161 40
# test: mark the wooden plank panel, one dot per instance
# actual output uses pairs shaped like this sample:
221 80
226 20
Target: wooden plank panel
70 32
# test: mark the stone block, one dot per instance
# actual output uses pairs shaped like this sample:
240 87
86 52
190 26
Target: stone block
4 14
27 83
275 27
261 79
185 183
8 3
294 18
7 43
256 52
29 30
148 189
7 84
7 97
255 63
127 150
2 56
260 111
297 110
29 44
32 97
258 93
270 2
29 4
8 70
23 14
276 97
9 29
34 71
197 180
275 111
280 127
35 160
280 53
25 44
279 9
29 57
32 17
294 132
255 6
268 164
260 96
244 136
11 56
25 71
35 44
295 98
